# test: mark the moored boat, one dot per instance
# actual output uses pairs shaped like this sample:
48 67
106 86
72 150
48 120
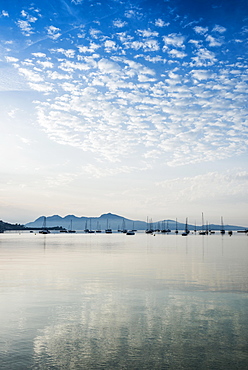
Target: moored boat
131 232
186 231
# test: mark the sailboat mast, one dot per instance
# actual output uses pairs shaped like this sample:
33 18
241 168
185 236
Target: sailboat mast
176 227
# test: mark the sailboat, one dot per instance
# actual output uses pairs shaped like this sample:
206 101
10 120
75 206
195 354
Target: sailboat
149 229
108 230
86 230
167 227
186 231
202 232
124 230
176 231
44 228
90 231
98 228
222 230
195 228
163 230
133 229
70 230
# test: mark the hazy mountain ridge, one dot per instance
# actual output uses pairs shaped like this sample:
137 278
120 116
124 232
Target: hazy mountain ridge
8 226
116 222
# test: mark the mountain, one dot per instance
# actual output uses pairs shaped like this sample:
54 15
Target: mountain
115 222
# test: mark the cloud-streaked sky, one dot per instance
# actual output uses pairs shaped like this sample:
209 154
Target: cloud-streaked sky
132 107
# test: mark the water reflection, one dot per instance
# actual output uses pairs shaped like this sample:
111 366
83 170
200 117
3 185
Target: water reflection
93 302
144 331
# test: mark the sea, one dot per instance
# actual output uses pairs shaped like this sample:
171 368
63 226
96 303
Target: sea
116 301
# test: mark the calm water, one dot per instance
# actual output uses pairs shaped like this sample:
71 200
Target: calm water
123 302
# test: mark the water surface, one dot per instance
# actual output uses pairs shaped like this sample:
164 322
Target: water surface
78 301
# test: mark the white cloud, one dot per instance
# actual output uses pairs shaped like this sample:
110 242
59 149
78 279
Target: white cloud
11 59
115 107
77 2
119 23
5 13
147 33
69 66
107 66
219 29
30 75
160 23
53 32
28 16
155 59
58 76
204 57
39 55
94 33
13 113
201 74
196 43
213 41
110 45
45 64
89 49
175 40
69 53
44 87
177 54
25 27
132 14
151 45
210 186
201 30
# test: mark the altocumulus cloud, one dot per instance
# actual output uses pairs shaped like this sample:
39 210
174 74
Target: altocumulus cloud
121 92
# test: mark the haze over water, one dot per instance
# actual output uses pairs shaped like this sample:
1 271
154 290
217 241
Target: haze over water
123 302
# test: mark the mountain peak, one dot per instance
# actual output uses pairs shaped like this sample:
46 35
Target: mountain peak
109 215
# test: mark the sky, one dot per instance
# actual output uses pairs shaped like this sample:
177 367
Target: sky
137 108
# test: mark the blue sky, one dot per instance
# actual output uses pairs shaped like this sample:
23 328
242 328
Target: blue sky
133 107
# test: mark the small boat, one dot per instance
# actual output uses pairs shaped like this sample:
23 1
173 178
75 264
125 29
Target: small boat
130 232
108 231
149 231
230 232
